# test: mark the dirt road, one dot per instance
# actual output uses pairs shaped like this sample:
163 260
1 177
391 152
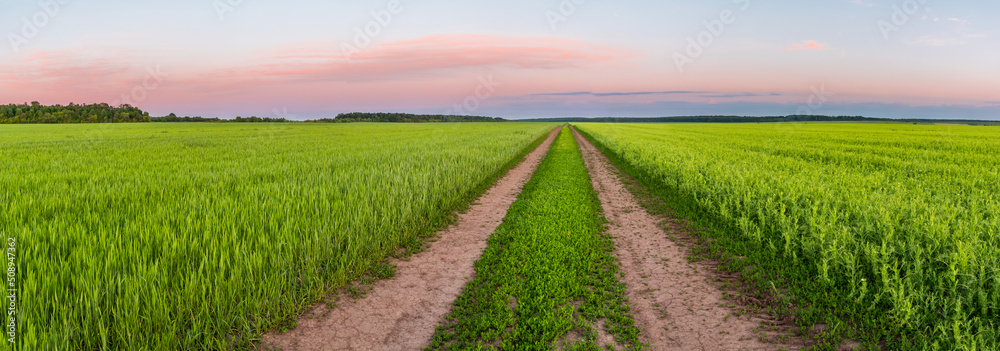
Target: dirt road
672 300
401 313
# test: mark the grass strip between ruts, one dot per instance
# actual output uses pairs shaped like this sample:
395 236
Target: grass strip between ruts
548 279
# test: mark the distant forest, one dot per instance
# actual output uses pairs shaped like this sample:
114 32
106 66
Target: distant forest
707 119
104 113
747 119
253 119
403 118
72 113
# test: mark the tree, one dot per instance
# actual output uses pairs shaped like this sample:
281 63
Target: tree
72 113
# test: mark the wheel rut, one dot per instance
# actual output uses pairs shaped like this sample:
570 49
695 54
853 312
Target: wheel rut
401 313
673 301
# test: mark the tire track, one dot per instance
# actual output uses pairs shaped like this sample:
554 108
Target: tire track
672 300
401 313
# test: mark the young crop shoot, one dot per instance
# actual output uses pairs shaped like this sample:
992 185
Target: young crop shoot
892 229
548 279
203 236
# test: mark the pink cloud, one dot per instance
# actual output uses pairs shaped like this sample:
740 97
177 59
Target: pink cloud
90 69
433 68
55 69
61 76
428 55
809 45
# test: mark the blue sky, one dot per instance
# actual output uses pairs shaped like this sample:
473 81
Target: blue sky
515 59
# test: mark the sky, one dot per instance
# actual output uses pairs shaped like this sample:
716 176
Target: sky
302 59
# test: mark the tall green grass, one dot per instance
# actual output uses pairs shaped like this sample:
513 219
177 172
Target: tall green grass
893 227
548 279
201 236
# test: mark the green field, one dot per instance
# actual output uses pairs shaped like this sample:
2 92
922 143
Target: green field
548 271
201 236
889 234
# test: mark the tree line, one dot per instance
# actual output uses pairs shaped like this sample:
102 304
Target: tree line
710 119
72 113
750 119
403 118
105 113
252 119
